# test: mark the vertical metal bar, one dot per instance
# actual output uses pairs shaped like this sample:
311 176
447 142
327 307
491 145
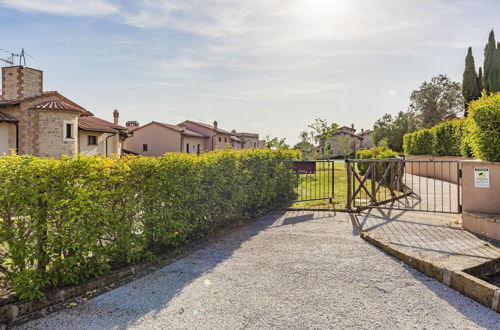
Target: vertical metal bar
434 182
427 184
442 188
372 167
349 188
459 182
419 192
449 184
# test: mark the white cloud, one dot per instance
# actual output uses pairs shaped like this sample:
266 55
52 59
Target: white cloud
64 7
392 92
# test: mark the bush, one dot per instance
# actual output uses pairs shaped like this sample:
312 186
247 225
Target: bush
447 138
65 221
484 115
376 152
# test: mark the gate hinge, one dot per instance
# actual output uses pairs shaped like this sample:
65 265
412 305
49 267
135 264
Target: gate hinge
459 208
459 172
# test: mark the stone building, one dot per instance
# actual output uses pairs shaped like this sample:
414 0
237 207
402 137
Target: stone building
156 139
344 141
47 124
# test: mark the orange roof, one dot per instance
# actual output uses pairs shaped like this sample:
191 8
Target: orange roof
180 129
57 105
207 126
95 124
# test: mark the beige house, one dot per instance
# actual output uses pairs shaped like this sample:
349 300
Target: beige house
344 141
156 139
47 124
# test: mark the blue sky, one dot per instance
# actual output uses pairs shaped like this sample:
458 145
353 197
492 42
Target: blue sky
264 66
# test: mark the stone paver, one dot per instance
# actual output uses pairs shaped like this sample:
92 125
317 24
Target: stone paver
287 271
433 237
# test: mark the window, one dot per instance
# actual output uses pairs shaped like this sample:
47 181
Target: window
92 140
69 130
225 139
255 144
198 149
187 147
220 139
144 147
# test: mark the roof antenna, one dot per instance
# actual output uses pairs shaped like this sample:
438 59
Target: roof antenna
22 58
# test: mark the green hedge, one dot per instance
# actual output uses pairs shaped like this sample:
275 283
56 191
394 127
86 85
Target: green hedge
449 138
65 221
376 152
484 116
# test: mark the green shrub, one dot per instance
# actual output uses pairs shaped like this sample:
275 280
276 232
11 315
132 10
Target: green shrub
447 138
484 115
65 221
376 152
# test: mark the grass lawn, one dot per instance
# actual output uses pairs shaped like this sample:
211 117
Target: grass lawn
319 185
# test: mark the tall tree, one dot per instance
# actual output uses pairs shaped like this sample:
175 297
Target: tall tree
436 100
470 89
390 131
489 55
480 80
494 76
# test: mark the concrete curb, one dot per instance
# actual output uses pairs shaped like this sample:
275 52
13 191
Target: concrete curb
481 291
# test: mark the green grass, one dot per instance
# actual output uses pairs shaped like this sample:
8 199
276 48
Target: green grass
318 185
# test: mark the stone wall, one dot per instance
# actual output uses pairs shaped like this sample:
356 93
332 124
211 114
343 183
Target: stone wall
19 82
51 139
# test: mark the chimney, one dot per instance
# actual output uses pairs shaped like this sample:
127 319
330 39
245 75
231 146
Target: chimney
352 126
215 124
116 117
362 130
132 124
233 131
20 82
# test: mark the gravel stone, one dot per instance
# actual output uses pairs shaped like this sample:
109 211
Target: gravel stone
285 271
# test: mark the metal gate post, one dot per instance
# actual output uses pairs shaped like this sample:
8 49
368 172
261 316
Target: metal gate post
459 183
349 185
333 182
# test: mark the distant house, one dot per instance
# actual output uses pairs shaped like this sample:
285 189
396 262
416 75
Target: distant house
156 139
345 140
47 124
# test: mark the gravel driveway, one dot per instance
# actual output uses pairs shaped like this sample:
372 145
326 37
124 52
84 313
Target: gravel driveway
290 271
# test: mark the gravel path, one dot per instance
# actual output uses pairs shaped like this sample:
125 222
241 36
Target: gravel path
294 271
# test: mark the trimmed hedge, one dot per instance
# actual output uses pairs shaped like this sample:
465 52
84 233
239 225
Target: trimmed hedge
477 136
484 115
446 139
65 221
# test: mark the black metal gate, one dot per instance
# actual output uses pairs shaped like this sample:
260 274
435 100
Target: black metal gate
355 185
419 185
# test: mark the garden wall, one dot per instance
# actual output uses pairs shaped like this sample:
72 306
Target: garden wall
438 170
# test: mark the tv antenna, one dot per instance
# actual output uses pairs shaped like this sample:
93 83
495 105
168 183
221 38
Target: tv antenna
12 57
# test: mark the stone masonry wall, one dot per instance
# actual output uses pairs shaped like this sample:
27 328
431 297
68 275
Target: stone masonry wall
19 82
51 142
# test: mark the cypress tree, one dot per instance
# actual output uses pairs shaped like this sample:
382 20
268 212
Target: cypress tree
489 54
495 71
470 89
480 81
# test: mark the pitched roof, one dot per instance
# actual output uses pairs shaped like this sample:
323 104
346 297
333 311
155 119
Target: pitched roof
6 118
56 105
218 130
44 93
348 133
235 138
180 129
95 124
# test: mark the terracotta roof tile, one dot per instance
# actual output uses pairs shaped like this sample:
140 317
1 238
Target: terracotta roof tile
180 129
44 93
207 126
6 118
95 124
56 105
